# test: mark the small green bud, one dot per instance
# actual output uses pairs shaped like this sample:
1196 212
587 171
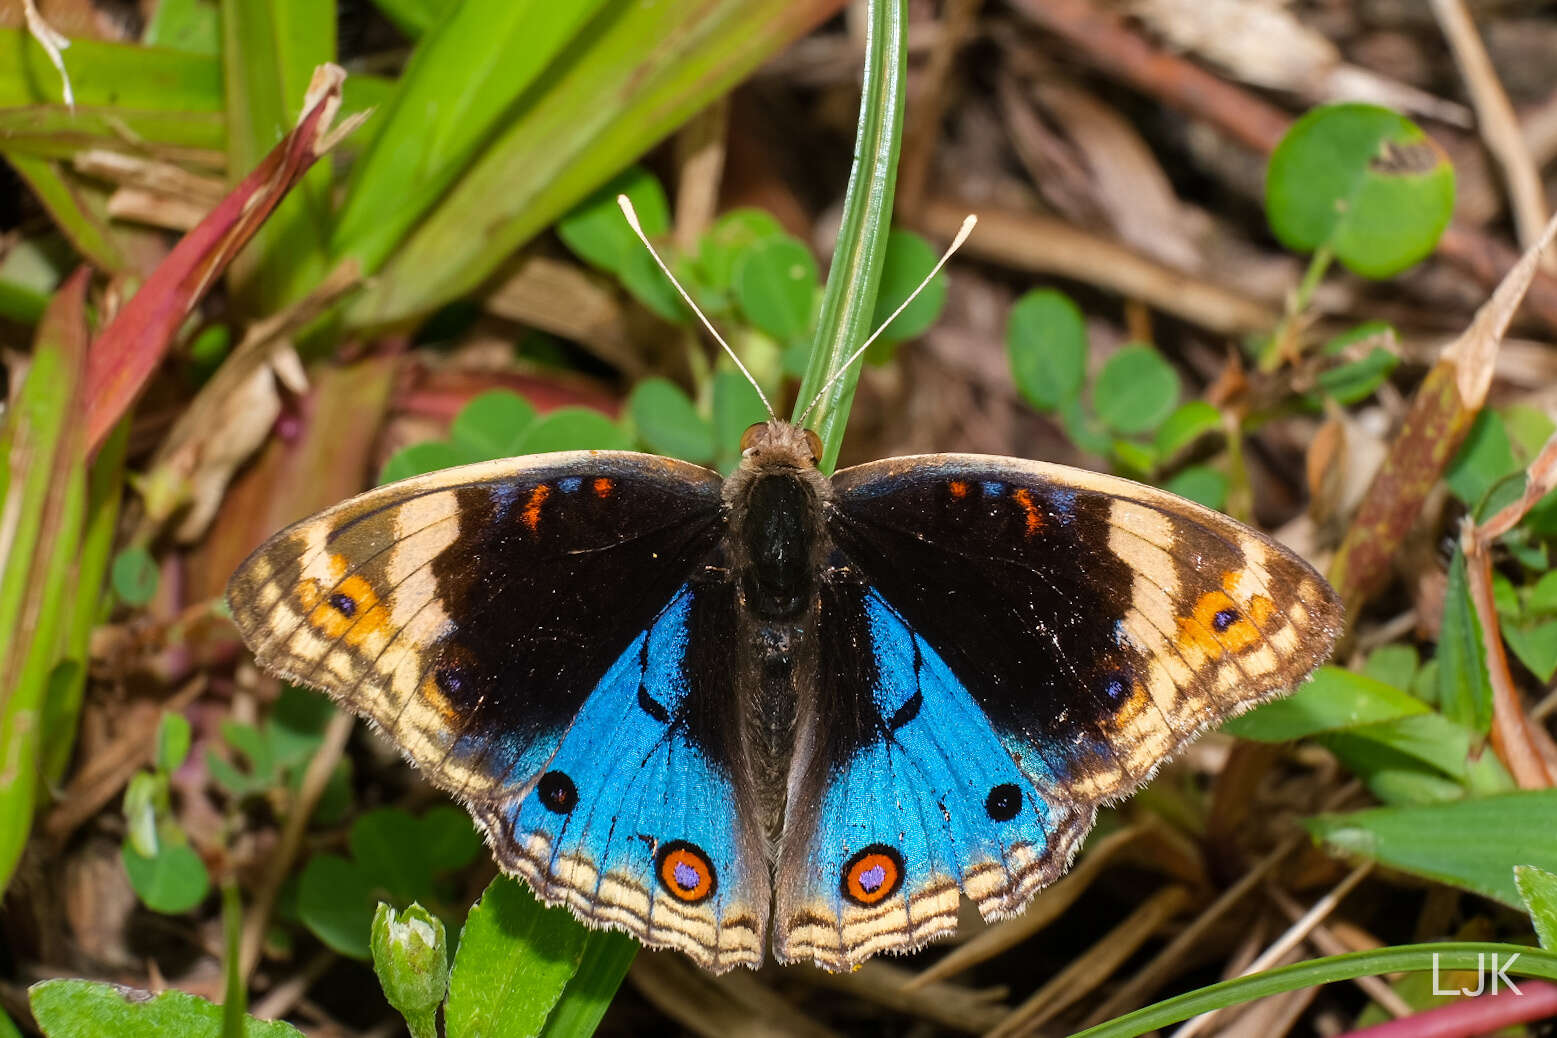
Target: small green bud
411 958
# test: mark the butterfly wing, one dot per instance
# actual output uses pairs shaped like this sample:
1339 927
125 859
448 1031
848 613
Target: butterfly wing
530 625
1029 641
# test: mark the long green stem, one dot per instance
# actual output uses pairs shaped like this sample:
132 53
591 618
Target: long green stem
849 301
235 996
1446 957
1280 346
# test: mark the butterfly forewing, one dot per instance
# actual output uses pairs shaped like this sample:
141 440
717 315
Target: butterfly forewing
1100 622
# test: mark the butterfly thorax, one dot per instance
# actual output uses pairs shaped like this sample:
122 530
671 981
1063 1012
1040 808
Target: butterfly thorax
777 539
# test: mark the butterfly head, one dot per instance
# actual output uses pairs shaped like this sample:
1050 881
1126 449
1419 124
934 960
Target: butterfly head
780 442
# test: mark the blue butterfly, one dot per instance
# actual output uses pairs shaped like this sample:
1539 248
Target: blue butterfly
697 709
701 709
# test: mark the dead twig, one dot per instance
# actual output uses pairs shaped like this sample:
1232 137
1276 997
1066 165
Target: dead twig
317 775
1441 413
1498 124
1096 964
1043 244
1287 942
1055 900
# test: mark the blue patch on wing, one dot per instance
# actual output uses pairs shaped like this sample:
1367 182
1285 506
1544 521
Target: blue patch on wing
625 784
938 791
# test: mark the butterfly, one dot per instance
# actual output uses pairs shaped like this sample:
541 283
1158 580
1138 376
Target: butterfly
695 708
701 709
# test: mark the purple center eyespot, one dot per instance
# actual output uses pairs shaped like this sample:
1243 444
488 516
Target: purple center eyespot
872 878
1224 619
686 876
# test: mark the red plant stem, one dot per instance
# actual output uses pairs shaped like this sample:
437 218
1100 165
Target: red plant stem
1532 1000
1512 740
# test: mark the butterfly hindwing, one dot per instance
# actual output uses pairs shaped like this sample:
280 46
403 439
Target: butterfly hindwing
497 618
904 796
638 820
1041 634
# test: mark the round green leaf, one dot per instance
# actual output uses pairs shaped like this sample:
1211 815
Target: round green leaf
776 282
1365 182
647 283
210 346
908 259
390 854
1200 483
173 738
1136 391
597 231
134 576
1184 426
140 812
335 901
173 880
732 234
1047 341
573 429
491 424
420 458
736 407
667 421
451 841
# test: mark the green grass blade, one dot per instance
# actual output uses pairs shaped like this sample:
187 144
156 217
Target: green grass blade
84 606
109 75
456 89
42 500
80 213
1409 958
52 132
849 301
638 73
270 49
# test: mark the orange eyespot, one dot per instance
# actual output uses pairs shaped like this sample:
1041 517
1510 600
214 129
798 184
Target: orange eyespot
958 488
749 437
603 487
873 875
685 872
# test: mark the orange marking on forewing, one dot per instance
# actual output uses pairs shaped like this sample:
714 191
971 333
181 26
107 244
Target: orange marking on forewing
434 697
1199 628
958 489
603 486
372 615
1034 518
1132 707
532 506
367 614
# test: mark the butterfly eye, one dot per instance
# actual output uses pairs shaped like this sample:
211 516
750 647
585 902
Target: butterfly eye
749 437
816 445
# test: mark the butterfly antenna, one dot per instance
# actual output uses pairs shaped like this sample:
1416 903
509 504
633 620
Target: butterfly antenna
632 221
962 236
